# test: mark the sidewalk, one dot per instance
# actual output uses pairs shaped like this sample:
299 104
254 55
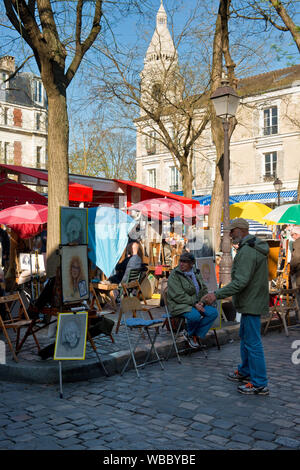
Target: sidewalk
32 369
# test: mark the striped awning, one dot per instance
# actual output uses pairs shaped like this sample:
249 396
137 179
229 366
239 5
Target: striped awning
267 197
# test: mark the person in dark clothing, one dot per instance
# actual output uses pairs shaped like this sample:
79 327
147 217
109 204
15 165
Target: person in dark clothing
133 260
5 243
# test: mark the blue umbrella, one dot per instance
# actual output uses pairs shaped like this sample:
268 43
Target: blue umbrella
108 230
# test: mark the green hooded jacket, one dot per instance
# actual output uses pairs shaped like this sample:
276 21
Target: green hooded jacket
249 286
182 295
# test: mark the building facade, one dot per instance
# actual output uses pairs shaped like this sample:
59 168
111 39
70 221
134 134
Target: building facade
23 117
264 146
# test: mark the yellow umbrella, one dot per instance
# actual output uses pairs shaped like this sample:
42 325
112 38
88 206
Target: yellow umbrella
250 210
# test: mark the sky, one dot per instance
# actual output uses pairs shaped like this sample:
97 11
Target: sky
136 31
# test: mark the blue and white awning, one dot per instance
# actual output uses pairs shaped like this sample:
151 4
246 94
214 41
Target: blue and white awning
267 197
205 200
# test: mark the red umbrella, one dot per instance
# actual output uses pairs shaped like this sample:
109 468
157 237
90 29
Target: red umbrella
162 209
80 192
27 220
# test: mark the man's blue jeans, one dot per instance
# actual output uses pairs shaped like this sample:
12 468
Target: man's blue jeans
252 353
198 325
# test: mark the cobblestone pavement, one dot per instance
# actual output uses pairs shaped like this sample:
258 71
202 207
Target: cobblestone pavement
191 406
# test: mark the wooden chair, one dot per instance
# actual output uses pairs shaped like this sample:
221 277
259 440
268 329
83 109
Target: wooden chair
132 283
16 318
285 301
132 304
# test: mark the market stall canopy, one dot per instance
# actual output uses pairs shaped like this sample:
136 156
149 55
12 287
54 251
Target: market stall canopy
286 214
206 200
162 209
255 228
27 220
249 210
80 192
108 230
13 193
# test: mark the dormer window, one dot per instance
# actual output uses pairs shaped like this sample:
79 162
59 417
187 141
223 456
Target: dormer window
4 80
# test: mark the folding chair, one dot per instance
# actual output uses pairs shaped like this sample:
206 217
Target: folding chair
134 304
142 326
133 282
168 317
285 301
16 318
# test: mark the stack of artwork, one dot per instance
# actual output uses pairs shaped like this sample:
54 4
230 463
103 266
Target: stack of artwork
74 256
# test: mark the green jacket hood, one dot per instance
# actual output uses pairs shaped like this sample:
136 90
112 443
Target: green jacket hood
256 243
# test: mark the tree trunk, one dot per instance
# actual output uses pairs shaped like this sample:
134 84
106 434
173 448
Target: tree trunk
58 173
187 181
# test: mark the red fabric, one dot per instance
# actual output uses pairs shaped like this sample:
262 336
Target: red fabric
147 192
80 192
13 193
162 208
26 220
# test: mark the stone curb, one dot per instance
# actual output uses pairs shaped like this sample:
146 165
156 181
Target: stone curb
72 371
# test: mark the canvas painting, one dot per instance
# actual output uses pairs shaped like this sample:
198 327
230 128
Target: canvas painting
73 225
74 273
71 336
208 272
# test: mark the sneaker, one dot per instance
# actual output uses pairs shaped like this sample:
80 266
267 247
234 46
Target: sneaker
250 389
190 340
235 376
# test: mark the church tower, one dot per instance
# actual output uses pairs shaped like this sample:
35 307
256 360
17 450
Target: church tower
160 79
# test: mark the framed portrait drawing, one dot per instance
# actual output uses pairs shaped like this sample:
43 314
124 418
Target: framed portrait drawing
71 336
73 225
32 263
74 273
208 272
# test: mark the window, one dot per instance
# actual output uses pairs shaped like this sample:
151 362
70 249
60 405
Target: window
271 120
38 91
6 152
4 84
38 157
152 178
38 121
150 143
270 165
175 179
5 116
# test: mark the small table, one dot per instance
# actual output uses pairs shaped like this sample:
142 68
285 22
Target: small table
105 291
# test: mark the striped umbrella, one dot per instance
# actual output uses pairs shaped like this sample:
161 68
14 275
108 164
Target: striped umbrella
286 214
255 228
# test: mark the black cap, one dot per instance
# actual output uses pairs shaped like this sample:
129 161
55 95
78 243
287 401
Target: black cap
187 256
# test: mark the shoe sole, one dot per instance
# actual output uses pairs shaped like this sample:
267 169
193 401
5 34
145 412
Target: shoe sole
253 393
233 379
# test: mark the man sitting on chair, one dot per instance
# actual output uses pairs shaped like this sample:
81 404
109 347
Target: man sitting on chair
185 289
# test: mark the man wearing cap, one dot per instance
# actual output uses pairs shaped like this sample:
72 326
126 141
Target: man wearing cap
295 261
185 289
249 289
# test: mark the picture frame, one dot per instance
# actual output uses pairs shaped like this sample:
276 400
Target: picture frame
26 258
73 225
74 273
71 334
207 268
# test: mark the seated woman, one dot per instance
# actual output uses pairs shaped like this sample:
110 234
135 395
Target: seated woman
185 288
133 260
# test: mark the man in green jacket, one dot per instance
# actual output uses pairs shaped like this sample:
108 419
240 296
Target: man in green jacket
249 289
185 289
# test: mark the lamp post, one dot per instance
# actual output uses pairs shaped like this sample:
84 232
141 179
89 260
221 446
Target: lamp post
278 185
225 101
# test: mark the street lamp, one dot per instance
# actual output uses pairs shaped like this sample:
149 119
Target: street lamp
278 185
225 101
